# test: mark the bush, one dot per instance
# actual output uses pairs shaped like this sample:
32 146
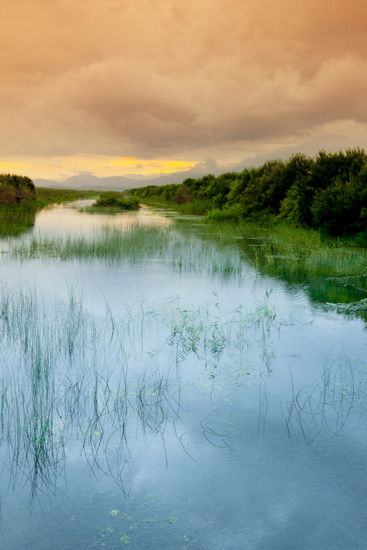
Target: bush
341 208
328 192
116 200
15 189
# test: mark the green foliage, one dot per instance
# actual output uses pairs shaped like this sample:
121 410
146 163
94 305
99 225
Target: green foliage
17 204
116 200
233 212
15 189
328 192
341 208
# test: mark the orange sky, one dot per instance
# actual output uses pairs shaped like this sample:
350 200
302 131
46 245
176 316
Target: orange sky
117 87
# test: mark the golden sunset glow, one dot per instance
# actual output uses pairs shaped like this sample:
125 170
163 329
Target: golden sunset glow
183 274
113 87
60 168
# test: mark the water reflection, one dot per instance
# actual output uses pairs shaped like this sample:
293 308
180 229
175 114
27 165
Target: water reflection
73 379
175 402
15 223
66 232
328 405
321 289
70 219
76 381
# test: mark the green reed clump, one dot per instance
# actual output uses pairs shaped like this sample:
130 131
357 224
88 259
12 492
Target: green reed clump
108 244
233 212
64 377
283 249
112 202
210 334
180 249
305 251
70 378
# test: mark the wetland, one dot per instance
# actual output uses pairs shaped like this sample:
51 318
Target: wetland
167 382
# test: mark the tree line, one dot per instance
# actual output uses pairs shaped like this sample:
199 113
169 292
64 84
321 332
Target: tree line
328 192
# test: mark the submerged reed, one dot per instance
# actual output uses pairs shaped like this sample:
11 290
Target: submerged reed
68 377
182 250
328 404
303 252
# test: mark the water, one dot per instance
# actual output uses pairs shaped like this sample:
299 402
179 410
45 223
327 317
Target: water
153 402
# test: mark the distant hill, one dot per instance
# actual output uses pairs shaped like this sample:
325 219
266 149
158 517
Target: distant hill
86 180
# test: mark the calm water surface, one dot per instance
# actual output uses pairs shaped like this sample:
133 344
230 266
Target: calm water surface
154 405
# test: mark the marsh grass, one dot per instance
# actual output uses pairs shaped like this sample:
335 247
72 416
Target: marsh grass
182 250
328 405
328 269
197 208
57 384
296 255
69 378
303 252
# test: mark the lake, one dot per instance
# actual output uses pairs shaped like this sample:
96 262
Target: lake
159 390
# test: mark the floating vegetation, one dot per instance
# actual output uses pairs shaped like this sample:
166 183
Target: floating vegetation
355 309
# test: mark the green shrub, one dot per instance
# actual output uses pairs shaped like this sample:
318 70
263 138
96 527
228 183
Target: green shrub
116 200
15 189
328 192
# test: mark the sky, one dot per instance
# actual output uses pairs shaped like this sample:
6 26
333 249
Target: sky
153 87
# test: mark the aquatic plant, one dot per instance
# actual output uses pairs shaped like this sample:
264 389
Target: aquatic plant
328 404
113 201
68 377
183 251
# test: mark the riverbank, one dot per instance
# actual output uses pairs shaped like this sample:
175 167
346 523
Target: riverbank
327 193
334 269
19 217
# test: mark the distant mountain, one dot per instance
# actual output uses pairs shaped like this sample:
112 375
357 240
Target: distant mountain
86 180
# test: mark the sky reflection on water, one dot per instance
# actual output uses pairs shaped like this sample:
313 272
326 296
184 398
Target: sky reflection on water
257 442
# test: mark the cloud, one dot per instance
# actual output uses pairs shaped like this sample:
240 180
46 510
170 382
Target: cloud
162 78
